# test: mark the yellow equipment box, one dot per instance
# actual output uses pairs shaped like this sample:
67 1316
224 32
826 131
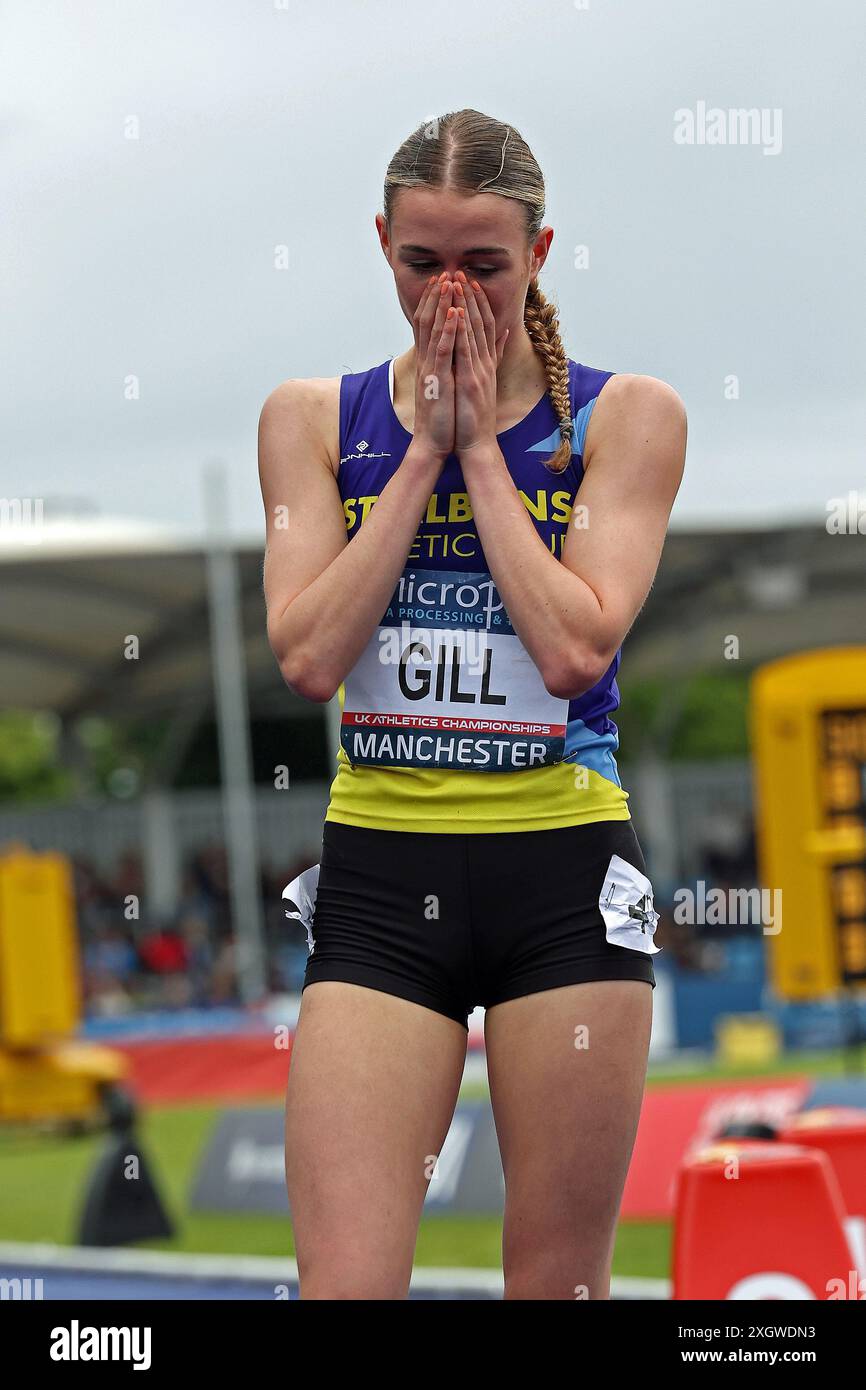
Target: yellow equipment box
747 1040
808 716
39 982
45 1072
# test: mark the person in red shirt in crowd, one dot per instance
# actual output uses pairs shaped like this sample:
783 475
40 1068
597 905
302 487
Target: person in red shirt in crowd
163 952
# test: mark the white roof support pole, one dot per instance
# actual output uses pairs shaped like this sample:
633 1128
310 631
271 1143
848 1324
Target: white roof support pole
233 723
656 820
160 853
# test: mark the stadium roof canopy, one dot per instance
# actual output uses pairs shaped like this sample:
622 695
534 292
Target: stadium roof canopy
74 594
75 591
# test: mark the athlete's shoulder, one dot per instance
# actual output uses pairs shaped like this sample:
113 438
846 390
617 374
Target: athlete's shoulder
639 417
306 406
628 392
305 394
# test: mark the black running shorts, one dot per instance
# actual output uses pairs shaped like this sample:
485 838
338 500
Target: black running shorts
456 920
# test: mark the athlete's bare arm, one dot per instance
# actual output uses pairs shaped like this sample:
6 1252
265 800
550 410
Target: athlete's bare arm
634 457
325 595
573 616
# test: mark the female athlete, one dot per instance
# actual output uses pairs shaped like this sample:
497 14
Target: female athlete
458 541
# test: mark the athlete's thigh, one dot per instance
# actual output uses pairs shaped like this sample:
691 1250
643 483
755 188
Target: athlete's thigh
373 1082
567 1069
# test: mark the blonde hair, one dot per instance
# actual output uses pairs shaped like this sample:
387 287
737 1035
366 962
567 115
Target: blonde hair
473 153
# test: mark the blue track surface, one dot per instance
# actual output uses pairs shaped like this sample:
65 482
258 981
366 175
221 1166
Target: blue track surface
86 1285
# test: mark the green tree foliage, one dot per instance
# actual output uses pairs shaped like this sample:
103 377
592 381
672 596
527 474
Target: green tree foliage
30 768
711 720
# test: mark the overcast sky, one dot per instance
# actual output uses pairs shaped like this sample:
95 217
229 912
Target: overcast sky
263 123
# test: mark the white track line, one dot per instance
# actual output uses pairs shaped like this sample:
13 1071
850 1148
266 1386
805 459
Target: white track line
261 1268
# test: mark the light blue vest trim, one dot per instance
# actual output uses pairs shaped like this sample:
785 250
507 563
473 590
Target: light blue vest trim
580 422
592 750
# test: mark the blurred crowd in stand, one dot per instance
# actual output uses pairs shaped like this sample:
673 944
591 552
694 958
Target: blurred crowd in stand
132 960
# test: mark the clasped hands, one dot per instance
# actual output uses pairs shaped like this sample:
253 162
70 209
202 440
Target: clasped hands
466 351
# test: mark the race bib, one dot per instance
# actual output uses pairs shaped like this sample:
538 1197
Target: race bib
446 682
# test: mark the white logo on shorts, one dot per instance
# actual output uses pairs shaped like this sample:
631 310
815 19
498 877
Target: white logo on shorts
626 904
301 893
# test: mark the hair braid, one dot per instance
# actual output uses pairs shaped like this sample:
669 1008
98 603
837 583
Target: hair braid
541 319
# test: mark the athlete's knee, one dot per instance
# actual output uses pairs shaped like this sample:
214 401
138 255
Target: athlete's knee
558 1266
339 1282
553 1278
339 1289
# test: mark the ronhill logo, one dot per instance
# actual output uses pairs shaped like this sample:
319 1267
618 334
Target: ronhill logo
362 448
77 1343
641 910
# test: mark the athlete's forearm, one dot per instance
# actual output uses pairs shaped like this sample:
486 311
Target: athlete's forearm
326 627
556 615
